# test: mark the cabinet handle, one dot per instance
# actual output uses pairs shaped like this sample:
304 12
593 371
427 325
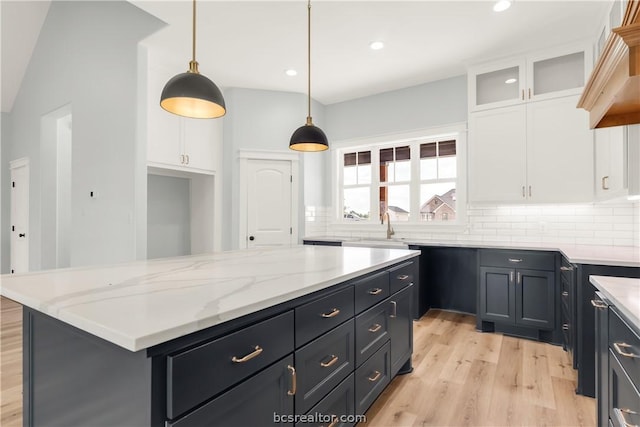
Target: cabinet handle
375 328
294 382
375 376
619 349
332 313
511 276
598 304
565 293
565 327
523 194
187 157
563 268
394 312
182 159
529 93
523 94
331 362
249 356
403 277
529 191
515 260
518 278
605 184
619 413
375 291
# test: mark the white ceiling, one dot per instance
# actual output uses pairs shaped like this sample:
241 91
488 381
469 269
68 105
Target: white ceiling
251 43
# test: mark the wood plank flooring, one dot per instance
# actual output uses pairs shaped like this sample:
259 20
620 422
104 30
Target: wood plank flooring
461 377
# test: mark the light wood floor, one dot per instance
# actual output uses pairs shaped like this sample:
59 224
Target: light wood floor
461 377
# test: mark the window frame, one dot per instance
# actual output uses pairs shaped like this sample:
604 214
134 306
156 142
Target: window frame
455 131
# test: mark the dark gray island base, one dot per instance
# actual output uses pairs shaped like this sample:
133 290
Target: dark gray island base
325 354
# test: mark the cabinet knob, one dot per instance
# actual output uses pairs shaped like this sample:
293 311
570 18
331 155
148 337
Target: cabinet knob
252 238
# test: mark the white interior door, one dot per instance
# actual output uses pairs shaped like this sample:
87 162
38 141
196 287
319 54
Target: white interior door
19 215
269 198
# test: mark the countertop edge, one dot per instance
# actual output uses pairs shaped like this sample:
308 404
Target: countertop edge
600 282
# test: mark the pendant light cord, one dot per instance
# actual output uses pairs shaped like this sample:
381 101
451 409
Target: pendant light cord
194 32
309 59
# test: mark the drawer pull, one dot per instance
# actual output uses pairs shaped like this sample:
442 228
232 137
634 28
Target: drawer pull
598 304
565 327
331 362
294 382
563 268
619 348
375 328
394 312
375 291
515 260
565 293
620 416
375 376
332 313
249 356
403 277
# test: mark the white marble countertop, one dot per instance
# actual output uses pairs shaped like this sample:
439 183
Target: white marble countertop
625 256
141 304
622 292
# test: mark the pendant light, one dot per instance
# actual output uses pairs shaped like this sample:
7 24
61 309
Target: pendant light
308 137
191 94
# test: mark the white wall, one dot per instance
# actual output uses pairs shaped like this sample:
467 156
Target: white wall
5 123
168 216
86 56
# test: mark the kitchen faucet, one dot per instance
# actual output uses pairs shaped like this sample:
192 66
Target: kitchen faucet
390 231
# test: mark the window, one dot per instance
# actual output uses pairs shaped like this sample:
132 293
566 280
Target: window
414 182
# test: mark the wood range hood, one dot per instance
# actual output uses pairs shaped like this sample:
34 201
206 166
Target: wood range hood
612 94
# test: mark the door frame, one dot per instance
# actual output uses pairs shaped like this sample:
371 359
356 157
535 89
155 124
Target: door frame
244 156
16 164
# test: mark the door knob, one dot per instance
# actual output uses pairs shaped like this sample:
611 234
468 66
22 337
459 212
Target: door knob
252 238
22 235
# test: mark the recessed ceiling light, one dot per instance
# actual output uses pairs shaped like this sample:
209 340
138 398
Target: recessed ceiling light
291 72
510 81
501 5
376 45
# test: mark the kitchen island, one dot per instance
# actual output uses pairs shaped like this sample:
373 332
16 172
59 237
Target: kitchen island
184 341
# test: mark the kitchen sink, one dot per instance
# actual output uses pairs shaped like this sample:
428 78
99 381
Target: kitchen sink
377 243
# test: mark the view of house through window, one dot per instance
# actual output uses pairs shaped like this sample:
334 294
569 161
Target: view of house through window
425 169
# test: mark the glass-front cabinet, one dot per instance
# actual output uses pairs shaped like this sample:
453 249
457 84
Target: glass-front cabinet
556 73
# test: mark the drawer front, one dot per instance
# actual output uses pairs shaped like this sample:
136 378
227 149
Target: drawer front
625 344
401 276
566 294
254 402
338 403
518 259
317 317
372 377
196 375
371 290
372 331
323 364
624 398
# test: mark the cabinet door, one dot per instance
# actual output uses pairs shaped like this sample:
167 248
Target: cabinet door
497 155
535 298
624 398
261 400
610 161
497 294
559 152
163 128
496 85
560 74
201 140
400 328
602 360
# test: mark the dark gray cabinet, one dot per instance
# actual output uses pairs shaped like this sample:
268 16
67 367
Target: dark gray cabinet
517 289
601 308
401 330
568 308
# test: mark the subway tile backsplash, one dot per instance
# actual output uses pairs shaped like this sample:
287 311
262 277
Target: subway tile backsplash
585 224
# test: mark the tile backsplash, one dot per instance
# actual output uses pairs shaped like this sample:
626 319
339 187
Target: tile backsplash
616 224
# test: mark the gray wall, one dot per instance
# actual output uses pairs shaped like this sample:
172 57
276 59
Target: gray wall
418 107
265 120
168 216
5 122
86 56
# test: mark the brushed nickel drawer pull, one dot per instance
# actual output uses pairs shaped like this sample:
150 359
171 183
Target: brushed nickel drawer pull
332 313
619 348
620 416
563 268
598 304
294 381
375 376
515 259
375 328
331 362
375 291
565 293
394 312
249 356
403 277
565 327
511 274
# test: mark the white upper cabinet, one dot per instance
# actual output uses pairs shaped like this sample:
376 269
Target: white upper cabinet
611 162
175 142
556 73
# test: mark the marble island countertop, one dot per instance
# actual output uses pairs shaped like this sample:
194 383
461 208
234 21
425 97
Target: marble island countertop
626 256
141 304
622 292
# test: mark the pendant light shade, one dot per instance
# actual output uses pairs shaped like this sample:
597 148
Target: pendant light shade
191 94
309 137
